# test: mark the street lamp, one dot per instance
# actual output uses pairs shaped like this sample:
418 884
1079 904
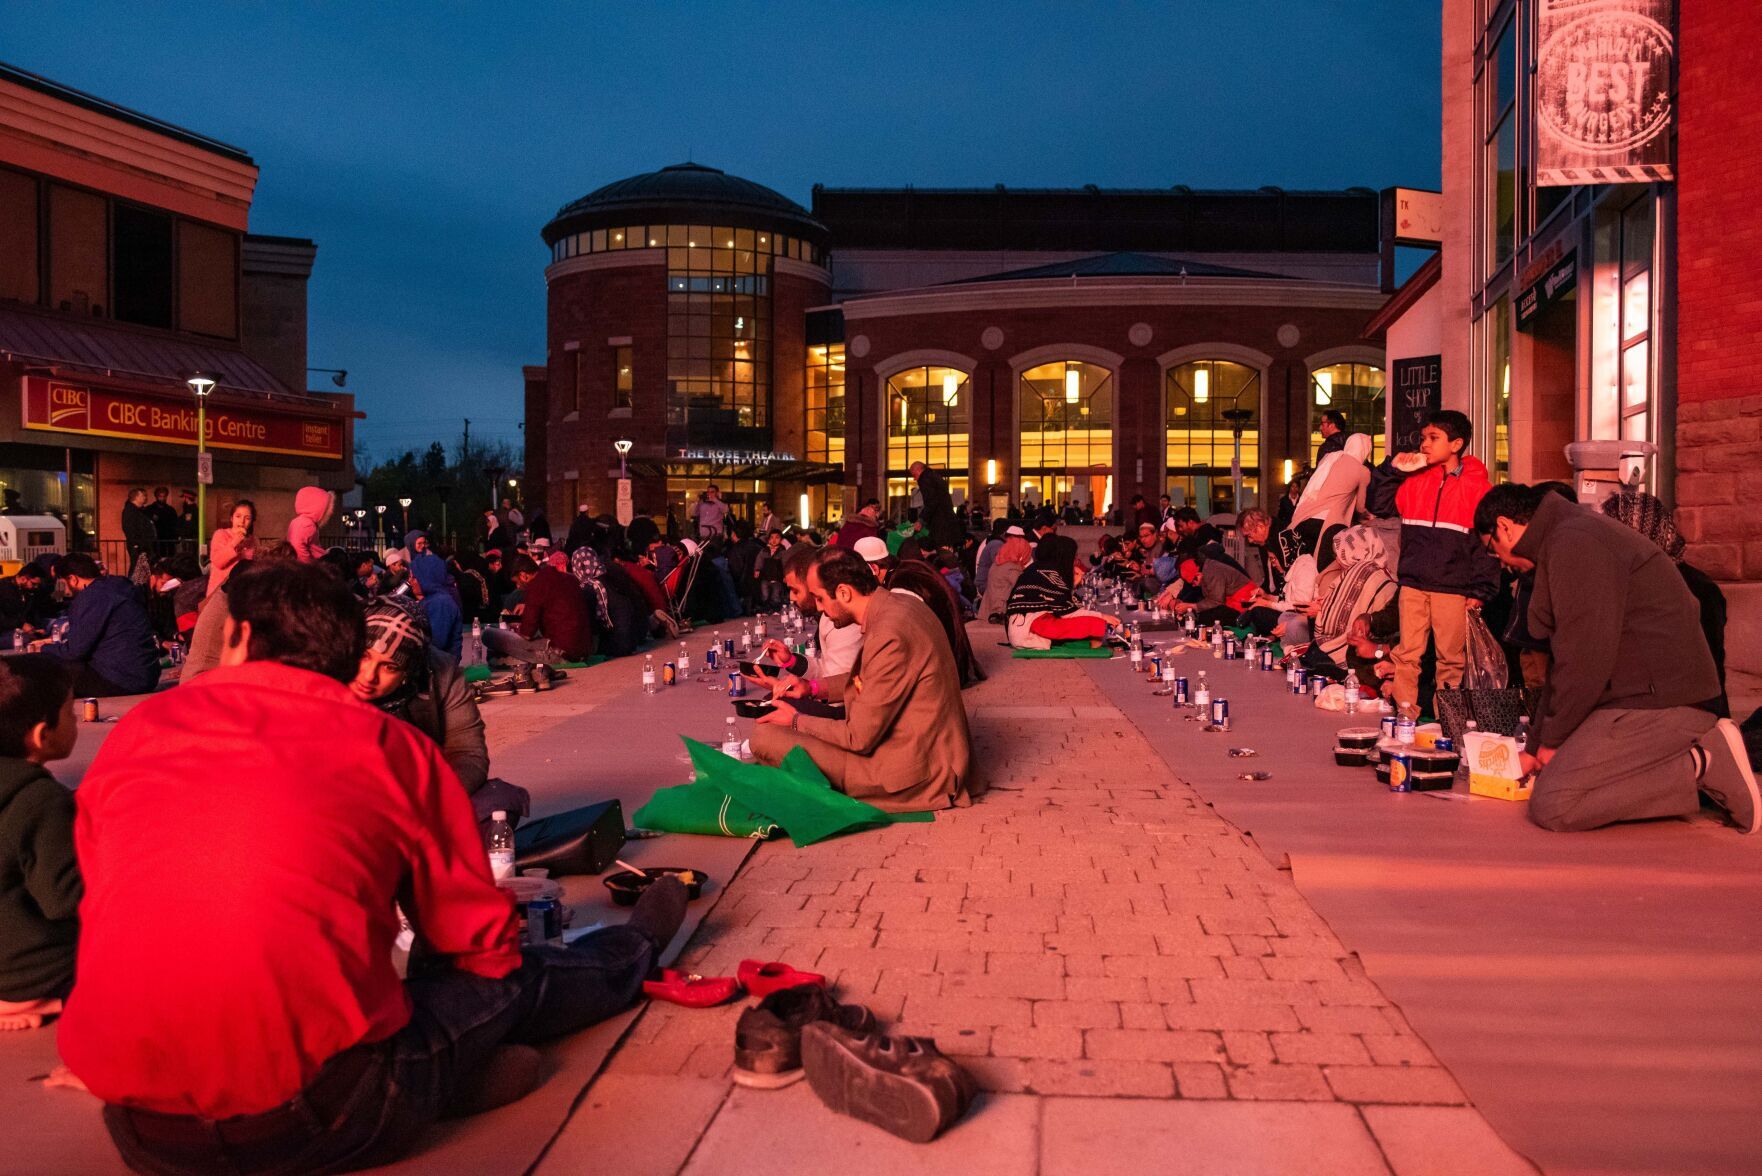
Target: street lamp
623 446
1238 418
495 478
405 503
201 384
380 525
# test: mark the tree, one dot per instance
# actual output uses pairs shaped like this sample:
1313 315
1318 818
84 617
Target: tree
462 475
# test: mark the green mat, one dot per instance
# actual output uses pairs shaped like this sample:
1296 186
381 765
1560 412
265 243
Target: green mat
1071 649
796 796
484 673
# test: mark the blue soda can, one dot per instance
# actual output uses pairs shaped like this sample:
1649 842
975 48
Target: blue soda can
1220 712
1181 698
736 686
1388 726
544 921
1156 665
727 647
1300 681
1443 743
1401 773
1266 658
711 656
669 674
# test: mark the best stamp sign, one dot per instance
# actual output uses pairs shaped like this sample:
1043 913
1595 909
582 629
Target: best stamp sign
62 407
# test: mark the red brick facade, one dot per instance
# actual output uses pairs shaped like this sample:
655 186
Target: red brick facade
1719 288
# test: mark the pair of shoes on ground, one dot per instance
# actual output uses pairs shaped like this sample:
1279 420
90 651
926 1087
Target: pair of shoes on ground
753 977
1727 777
903 1085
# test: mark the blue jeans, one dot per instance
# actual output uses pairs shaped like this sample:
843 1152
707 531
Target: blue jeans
369 1104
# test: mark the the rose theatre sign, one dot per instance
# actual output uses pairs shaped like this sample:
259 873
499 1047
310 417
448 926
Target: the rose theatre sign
75 408
1603 92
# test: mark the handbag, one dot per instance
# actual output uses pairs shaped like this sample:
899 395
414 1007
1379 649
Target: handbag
581 841
1494 711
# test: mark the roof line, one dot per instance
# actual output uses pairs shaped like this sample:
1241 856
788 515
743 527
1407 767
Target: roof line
1403 299
54 89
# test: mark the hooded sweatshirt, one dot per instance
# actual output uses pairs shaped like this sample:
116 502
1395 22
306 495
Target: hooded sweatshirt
311 509
40 886
109 630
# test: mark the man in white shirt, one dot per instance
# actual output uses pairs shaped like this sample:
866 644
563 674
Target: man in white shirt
835 649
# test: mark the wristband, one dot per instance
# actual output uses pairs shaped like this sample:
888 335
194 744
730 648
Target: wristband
813 687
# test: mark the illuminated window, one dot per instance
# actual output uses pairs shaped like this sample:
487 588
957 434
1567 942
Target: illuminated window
1066 419
1498 87
718 332
1201 440
927 421
824 423
623 377
1356 391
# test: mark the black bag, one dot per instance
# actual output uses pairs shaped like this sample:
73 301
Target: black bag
1494 711
581 841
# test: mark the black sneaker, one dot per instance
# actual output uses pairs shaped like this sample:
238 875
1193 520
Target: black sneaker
903 1085
1727 778
767 1039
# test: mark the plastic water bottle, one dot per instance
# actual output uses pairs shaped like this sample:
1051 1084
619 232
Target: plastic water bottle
731 738
501 846
474 646
648 675
1192 624
684 660
1202 695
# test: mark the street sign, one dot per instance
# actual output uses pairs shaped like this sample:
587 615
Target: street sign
626 509
205 468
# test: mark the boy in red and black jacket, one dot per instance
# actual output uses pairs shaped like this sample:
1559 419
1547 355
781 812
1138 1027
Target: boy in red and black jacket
1444 573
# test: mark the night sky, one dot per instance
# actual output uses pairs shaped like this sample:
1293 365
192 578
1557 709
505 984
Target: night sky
423 146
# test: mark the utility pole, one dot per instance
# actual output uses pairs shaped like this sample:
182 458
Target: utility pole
465 446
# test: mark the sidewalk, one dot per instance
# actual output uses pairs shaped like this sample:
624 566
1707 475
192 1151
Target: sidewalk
1127 975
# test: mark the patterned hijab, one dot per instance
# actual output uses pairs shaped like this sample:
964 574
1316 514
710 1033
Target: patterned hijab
1648 515
585 565
1360 545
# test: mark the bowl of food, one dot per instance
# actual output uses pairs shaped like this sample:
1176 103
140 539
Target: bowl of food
627 885
751 708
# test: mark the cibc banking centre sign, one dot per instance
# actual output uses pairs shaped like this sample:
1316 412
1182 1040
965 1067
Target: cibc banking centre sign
63 407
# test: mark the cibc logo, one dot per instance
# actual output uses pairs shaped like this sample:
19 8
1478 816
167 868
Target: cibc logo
1605 81
70 407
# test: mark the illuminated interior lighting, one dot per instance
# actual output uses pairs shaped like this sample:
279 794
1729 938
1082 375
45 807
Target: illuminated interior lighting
950 382
991 471
1201 385
1073 385
1324 387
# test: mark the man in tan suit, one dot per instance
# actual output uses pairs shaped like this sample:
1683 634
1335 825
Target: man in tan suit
903 744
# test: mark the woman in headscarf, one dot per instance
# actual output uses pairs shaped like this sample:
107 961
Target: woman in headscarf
618 617
1333 498
1648 515
404 676
1012 559
1358 582
1042 608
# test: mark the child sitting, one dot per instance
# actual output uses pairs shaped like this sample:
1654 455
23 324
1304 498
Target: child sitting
40 885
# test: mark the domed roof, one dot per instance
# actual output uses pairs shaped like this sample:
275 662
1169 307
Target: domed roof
684 190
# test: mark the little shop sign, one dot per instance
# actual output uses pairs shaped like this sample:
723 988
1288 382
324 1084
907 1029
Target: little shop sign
62 407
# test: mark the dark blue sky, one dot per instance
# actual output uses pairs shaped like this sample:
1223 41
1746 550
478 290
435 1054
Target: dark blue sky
424 145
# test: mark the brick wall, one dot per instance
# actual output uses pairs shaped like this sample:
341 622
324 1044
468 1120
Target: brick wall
1719 288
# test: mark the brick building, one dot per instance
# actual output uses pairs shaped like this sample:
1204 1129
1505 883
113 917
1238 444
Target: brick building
126 265
1041 346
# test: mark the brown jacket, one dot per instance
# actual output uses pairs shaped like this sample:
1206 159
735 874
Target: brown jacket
905 727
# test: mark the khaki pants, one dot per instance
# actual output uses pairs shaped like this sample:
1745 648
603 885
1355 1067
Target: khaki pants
1443 617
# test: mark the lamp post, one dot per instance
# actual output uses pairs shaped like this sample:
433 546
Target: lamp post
405 503
360 516
1238 418
624 507
495 480
622 445
380 510
202 384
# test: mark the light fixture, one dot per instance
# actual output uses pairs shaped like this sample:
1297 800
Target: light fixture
380 509
991 471
1073 384
1290 470
1324 387
405 503
513 482
622 446
950 384
804 509
1201 385
201 383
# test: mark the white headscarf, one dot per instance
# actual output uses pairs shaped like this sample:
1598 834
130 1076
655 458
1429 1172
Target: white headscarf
1356 452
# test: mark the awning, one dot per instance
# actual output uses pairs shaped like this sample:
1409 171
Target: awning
100 349
762 471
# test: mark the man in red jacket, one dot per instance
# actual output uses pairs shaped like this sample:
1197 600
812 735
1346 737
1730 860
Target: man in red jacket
244 839
1444 573
555 623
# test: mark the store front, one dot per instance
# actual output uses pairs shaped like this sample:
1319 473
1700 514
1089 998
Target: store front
927 411
1214 412
1065 418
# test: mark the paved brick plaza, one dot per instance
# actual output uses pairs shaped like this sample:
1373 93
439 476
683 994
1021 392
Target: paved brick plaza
1092 929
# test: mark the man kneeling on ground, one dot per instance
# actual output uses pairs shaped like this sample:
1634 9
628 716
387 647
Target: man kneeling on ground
403 674
244 839
903 745
1627 729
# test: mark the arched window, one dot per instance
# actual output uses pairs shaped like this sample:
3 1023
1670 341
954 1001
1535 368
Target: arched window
1066 433
1202 440
927 421
1356 390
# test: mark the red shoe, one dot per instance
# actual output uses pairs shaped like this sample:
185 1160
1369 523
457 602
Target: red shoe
761 979
692 991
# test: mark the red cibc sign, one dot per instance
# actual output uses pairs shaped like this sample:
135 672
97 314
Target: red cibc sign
63 407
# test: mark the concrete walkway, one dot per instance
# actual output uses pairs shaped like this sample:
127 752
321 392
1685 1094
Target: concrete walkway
1131 980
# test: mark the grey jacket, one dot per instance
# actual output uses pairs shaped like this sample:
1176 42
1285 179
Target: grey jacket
442 708
1624 629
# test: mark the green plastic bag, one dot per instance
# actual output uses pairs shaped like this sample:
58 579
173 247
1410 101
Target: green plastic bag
702 808
796 796
1074 649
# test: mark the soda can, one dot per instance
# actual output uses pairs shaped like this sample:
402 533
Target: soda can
1401 773
1299 681
90 709
1220 713
711 656
1317 684
1156 665
544 921
727 647
1266 658
736 686
1181 698
669 674
1443 743
1387 725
